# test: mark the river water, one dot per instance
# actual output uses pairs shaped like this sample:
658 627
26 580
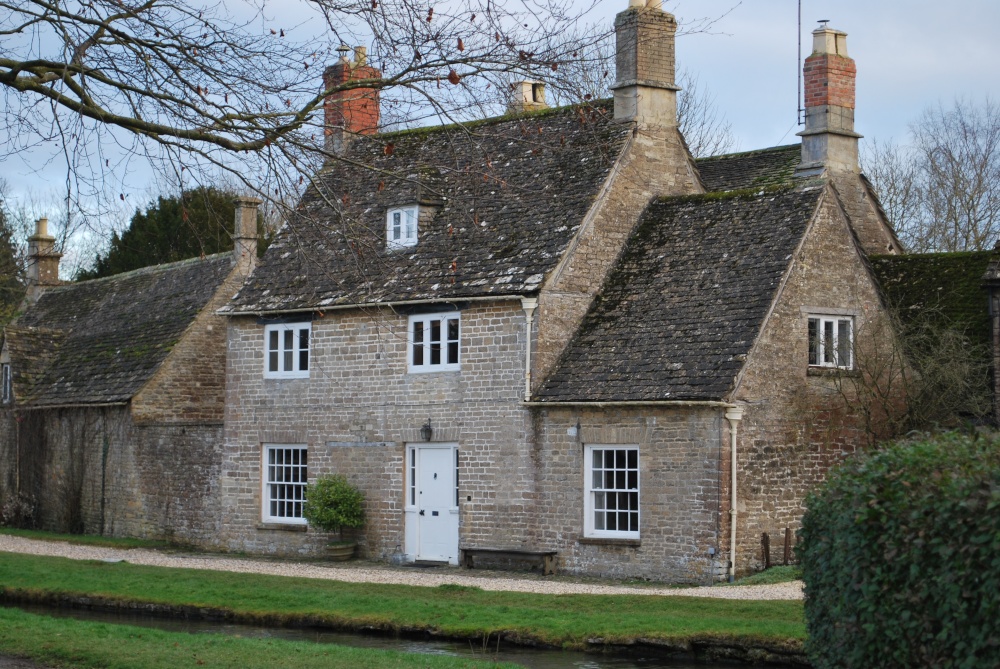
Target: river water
527 657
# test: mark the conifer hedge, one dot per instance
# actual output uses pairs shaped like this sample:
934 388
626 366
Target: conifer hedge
900 552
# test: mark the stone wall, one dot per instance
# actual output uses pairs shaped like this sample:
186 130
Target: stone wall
189 386
797 422
520 469
679 455
359 408
94 471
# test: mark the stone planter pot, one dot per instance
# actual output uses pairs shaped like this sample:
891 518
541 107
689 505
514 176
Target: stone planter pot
341 551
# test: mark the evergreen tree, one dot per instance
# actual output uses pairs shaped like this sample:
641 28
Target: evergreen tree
11 270
198 223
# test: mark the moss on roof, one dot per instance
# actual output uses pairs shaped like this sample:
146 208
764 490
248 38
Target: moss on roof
750 169
944 288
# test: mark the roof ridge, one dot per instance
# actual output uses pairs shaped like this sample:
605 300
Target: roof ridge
740 154
149 269
491 120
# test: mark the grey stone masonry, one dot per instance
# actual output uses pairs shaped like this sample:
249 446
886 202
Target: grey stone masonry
644 52
358 409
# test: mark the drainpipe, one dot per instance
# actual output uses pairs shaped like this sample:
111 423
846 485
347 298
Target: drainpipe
528 304
734 415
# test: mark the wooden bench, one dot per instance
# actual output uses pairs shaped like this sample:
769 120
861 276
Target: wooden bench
546 558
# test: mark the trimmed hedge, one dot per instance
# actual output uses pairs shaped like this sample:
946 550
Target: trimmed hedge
900 552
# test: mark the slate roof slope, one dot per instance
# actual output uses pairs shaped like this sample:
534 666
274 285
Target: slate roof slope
751 169
938 288
681 309
508 195
99 341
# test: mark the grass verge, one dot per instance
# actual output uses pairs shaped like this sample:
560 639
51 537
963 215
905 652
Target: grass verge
85 539
780 574
87 645
570 621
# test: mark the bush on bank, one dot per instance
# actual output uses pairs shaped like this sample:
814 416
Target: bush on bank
900 552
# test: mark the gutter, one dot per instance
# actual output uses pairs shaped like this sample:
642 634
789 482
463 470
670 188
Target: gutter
43 407
637 403
341 307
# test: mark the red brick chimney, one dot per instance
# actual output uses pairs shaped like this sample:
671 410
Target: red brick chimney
353 111
829 141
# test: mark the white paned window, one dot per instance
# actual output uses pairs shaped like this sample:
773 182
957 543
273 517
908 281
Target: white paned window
286 354
401 227
612 492
831 342
434 342
7 393
285 476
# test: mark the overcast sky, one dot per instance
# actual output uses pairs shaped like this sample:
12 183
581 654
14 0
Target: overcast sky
909 54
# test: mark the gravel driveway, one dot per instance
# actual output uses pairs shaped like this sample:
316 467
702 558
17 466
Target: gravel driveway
366 572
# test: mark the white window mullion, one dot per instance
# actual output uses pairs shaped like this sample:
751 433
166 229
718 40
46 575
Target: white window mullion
612 492
434 343
287 350
831 342
285 475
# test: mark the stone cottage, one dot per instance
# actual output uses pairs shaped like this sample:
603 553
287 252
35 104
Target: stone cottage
113 390
554 331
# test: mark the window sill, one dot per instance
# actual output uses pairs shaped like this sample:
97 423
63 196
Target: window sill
608 541
283 527
832 371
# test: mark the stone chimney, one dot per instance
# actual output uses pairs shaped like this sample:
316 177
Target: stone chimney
43 261
353 111
644 61
829 141
245 234
527 96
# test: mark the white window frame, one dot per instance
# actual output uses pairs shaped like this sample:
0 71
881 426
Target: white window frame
422 349
401 227
599 507
7 390
284 475
289 359
825 335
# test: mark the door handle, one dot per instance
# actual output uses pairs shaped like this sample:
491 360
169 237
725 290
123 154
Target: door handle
421 512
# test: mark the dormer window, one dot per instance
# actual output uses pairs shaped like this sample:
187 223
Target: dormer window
401 227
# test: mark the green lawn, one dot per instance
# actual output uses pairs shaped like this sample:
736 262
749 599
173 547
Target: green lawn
559 620
86 645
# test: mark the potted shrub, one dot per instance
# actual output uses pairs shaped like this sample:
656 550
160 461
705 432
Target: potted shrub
331 505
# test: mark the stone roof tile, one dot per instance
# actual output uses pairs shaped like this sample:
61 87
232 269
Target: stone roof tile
501 198
751 169
99 341
686 300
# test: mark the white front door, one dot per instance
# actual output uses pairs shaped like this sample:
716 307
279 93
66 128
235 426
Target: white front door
432 502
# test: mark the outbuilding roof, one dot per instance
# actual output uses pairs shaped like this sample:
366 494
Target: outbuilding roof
99 341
